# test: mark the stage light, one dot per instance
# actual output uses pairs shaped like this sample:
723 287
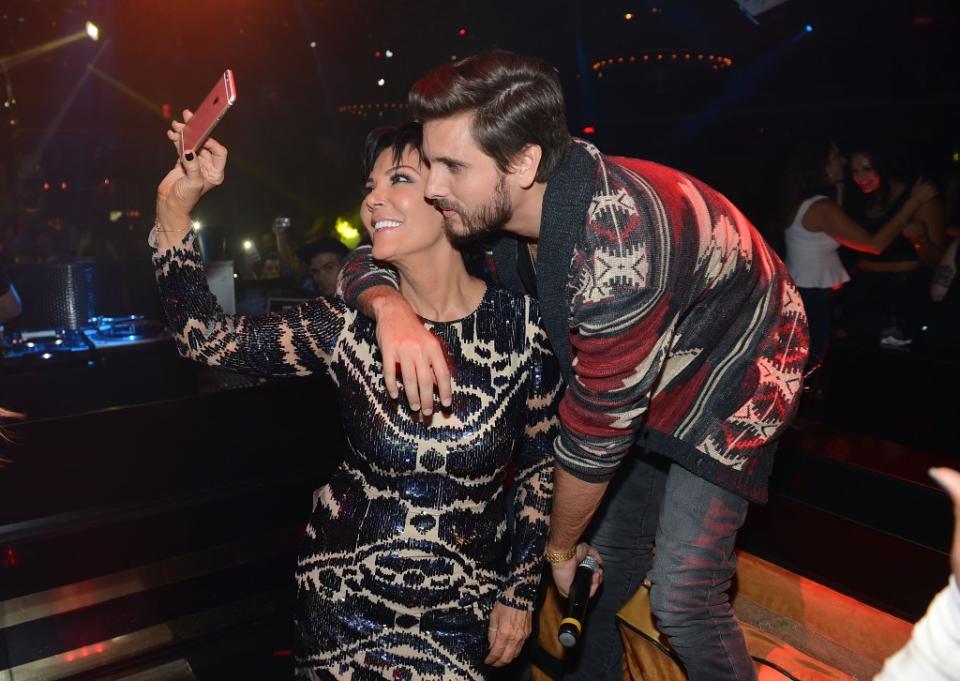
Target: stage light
46 186
46 355
347 233
106 180
808 28
381 82
462 32
64 185
377 54
589 130
628 16
197 225
165 111
92 31
388 54
313 44
247 245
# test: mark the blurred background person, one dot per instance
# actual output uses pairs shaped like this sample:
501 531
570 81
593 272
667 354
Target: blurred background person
322 258
889 288
818 226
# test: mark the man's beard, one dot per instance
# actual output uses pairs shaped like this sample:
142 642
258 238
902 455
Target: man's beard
481 224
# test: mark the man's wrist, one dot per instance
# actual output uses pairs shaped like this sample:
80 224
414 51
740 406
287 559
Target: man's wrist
380 299
555 556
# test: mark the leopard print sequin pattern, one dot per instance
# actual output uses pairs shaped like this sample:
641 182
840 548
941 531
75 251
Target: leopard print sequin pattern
408 548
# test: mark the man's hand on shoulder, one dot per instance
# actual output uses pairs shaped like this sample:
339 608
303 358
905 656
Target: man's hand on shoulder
408 347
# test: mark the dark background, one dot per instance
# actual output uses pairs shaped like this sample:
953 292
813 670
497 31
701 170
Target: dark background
869 72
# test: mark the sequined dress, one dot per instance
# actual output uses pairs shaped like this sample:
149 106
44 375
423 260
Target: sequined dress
406 551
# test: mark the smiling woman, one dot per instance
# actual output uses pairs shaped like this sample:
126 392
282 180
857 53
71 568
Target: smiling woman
402 226
406 569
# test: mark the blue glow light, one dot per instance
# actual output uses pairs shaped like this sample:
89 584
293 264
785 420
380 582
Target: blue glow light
808 28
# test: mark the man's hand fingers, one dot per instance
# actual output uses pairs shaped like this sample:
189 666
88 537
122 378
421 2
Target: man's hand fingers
408 374
425 385
390 374
441 372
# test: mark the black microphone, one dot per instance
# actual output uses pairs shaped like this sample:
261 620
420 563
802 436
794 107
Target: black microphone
572 623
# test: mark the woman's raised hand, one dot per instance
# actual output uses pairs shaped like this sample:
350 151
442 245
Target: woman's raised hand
193 175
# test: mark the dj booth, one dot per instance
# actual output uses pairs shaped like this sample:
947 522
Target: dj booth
152 507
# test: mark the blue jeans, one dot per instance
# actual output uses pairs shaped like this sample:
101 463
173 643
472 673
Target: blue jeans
693 524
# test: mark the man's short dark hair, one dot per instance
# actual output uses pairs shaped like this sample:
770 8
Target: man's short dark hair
515 100
324 244
397 139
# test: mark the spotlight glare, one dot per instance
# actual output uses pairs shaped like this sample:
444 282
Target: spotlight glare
347 233
247 245
92 31
197 225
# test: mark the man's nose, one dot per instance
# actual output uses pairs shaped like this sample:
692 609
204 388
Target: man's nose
435 187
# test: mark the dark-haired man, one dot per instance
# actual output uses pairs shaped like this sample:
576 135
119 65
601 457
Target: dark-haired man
678 329
323 258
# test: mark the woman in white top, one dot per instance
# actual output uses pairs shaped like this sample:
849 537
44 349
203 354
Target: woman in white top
818 226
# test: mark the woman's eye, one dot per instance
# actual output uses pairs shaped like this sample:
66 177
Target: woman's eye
400 177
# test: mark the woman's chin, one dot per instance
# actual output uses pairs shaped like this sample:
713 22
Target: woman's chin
382 252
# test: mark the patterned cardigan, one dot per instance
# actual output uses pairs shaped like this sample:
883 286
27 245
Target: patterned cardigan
675 324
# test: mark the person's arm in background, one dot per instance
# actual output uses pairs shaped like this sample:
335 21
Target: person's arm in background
828 217
288 264
945 273
927 229
933 651
404 341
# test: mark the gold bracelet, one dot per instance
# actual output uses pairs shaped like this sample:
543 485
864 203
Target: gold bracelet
560 556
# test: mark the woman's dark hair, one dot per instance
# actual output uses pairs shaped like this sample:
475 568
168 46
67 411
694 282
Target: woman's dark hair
515 100
805 176
397 139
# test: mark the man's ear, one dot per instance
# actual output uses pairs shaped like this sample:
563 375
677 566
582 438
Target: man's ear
526 164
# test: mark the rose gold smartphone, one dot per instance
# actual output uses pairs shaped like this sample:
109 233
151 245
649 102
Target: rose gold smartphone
211 110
